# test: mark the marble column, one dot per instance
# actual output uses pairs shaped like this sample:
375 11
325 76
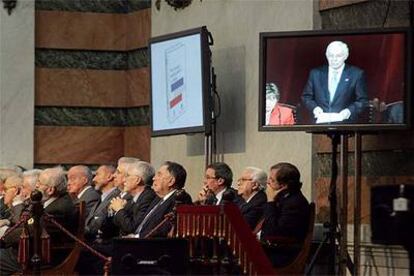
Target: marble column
17 84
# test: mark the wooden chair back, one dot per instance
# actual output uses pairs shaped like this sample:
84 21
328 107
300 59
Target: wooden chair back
297 266
68 265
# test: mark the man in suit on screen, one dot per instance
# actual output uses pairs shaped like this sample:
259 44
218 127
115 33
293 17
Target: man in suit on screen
337 92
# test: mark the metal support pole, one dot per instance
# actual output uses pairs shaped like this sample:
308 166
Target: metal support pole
207 150
357 205
37 232
343 212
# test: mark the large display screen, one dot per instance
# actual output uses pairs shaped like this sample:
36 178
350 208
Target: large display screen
180 82
338 80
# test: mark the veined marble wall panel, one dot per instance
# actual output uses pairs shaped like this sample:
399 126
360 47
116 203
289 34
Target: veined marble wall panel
93 31
138 87
80 30
92 88
137 142
78 145
91 74
89 116
89 88
17 84
99 60
139 29
98 6
322 202
81 59
370 142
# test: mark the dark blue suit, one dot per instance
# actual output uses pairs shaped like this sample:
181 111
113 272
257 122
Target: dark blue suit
351 92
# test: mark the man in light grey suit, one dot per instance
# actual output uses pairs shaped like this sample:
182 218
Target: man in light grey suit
80 187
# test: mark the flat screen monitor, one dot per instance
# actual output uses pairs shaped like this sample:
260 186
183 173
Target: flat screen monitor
320 81
180 82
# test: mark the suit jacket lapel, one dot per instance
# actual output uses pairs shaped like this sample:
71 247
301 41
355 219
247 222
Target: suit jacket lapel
100 205
105 202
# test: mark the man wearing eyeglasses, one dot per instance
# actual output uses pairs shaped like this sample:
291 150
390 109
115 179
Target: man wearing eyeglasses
217 182
251 187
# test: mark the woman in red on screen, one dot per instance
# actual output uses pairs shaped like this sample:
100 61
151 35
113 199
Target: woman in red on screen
276 114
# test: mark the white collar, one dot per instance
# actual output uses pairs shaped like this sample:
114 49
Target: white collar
83 191
251 196
17 201
104 195
219 195
49 201
135 198
338 71
168 195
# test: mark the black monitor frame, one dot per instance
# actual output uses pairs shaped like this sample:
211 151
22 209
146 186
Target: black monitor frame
206 84
323 128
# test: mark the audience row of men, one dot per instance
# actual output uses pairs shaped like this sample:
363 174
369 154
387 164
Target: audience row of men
132 200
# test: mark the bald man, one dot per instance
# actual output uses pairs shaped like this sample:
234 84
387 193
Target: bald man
80 187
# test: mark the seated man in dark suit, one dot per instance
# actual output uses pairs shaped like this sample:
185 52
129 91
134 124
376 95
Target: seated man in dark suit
129 214
14 201
120 175
251 185
286 213
57 203
80 187
168 182
217 182
104 183
30 179
4 174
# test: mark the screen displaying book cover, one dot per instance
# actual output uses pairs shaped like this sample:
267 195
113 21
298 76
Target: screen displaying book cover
336 80
178 83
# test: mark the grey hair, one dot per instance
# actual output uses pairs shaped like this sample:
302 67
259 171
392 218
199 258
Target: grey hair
56 179
127 160
33 176
259 176
14 181
340 44
86 172
14 168
6 173
142 169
